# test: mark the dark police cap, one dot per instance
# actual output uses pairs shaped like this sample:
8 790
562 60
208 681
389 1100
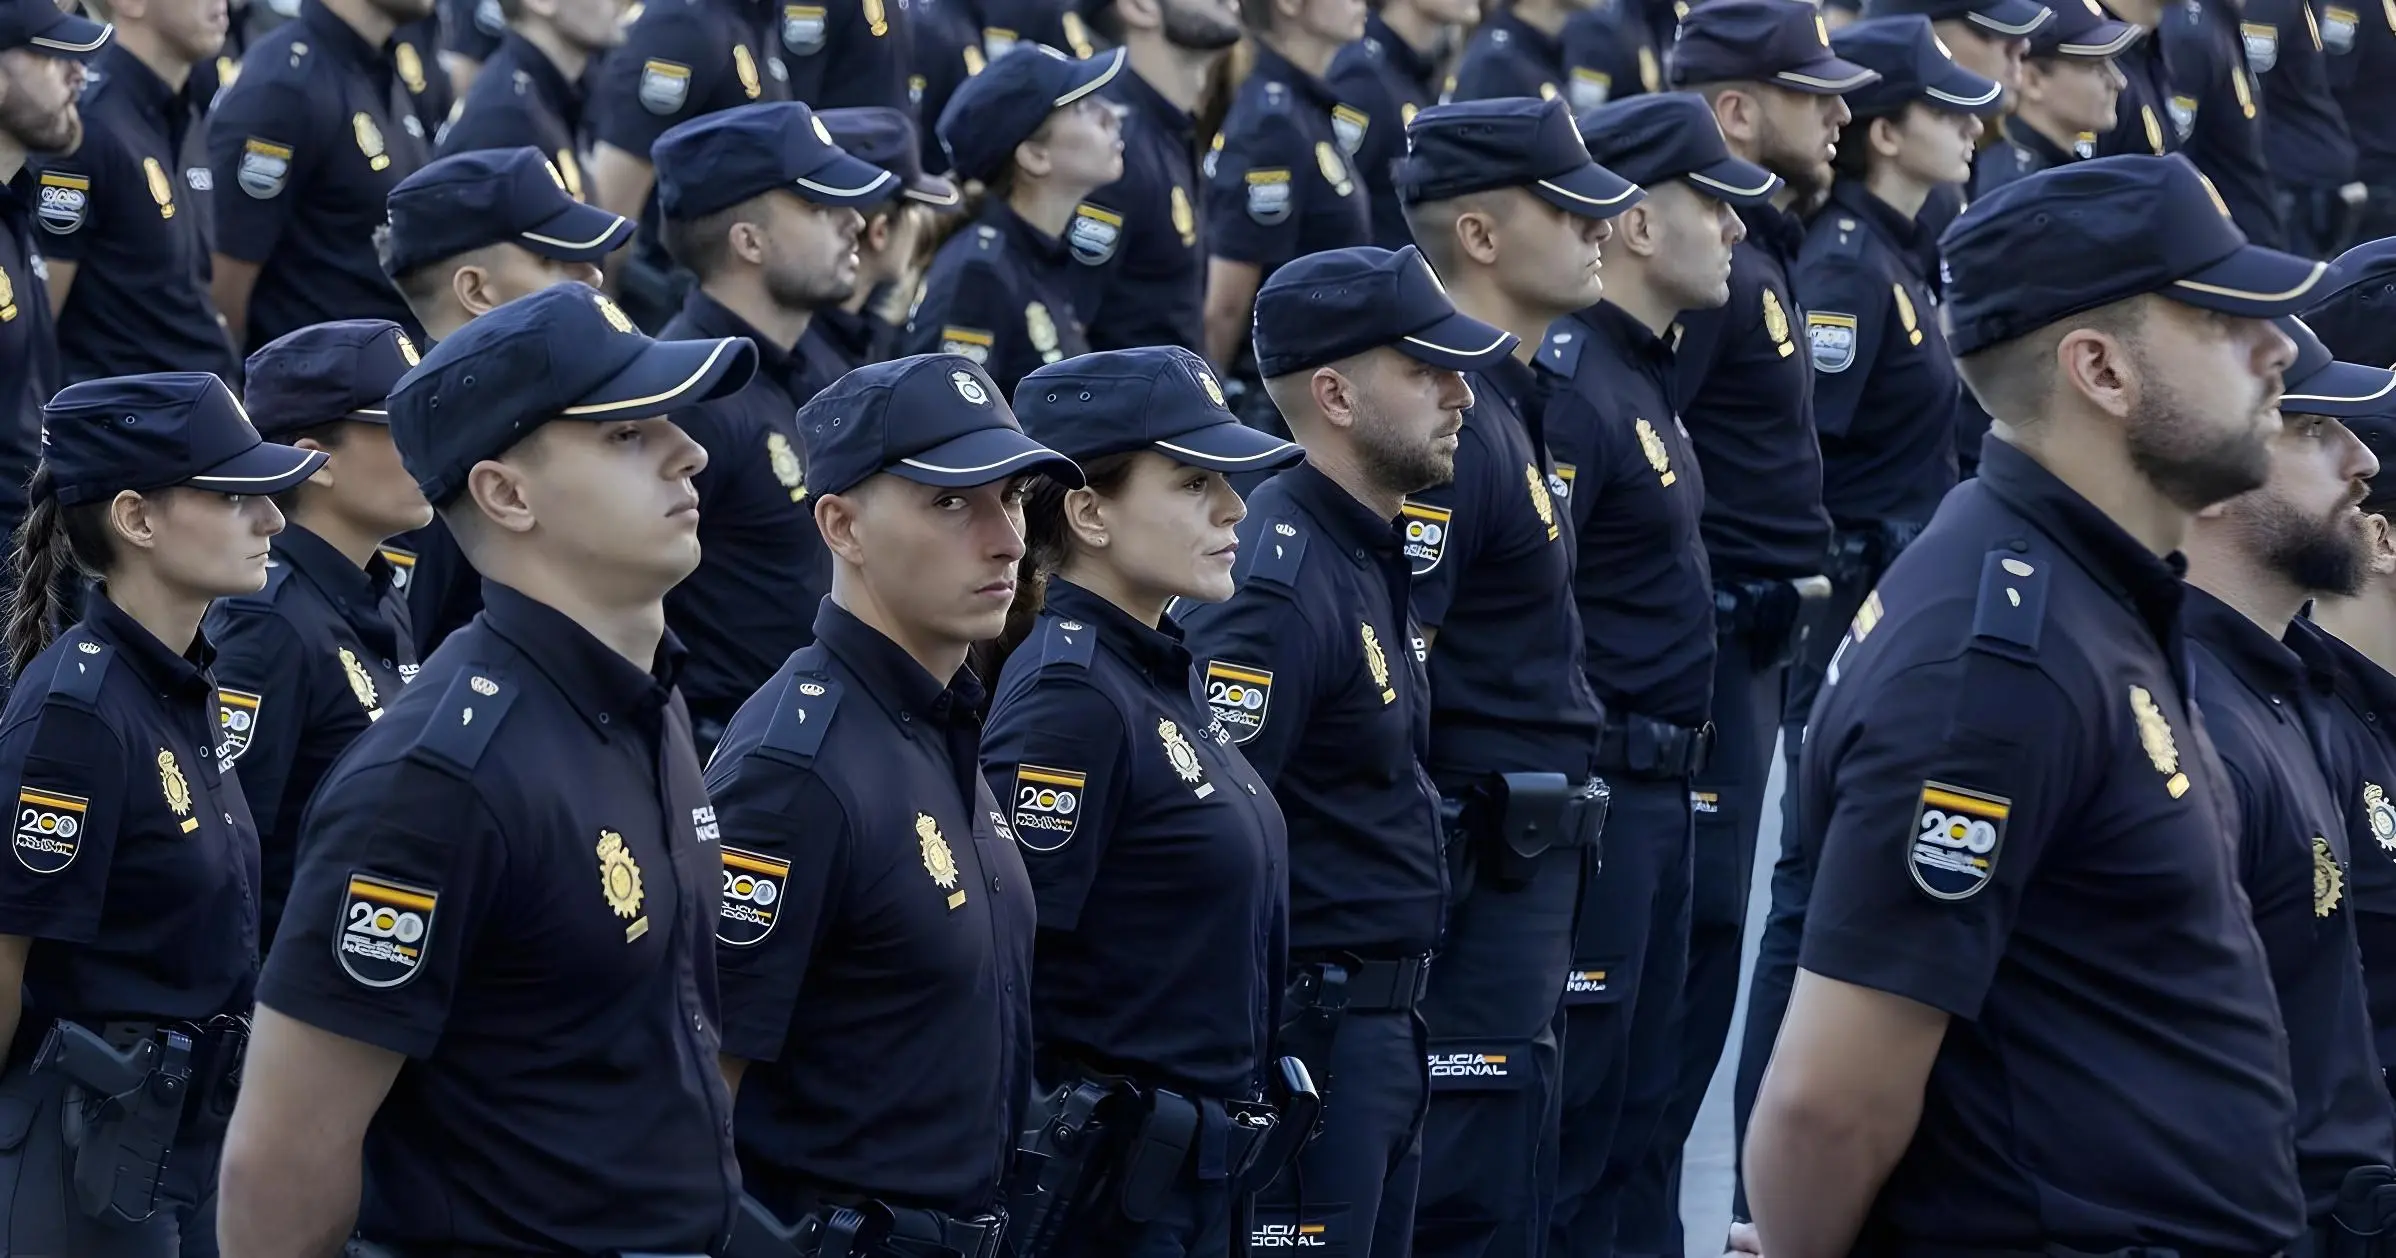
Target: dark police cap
999 108
2358 322
880 135
152 431
1510 142
39 26
719 160
2378 431
2318 384
564 352
1159 397
2072 238
325 372
1915 67
2002 19
2082 28
1673 135
470 201
1332 305
935 419
1781 42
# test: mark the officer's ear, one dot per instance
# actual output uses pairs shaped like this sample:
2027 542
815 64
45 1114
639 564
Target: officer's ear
134 519
1635 230
1740 115
474 290
2383 545
1084 520
746 241
837 517
1334 395
497 490
1886 134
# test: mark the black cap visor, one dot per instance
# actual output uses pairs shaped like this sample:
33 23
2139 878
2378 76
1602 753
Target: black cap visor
2106 39
2342 391
72 37
666 375
848 181
1960 91
1458 342
983 456
1230 447
577 233
265 468
2256 283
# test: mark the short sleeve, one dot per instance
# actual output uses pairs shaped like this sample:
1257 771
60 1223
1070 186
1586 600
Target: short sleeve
1467 501
1053 755
1260 637
261 675
1846 313
664 74
1252 197
968 309
402 870
1935 806
783 827
70 772
76 194
264 140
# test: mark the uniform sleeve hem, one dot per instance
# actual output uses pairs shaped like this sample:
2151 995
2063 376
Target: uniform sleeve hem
372 1027
1854 957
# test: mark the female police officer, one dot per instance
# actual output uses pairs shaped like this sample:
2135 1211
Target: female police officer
1033 130
1158 858
129 912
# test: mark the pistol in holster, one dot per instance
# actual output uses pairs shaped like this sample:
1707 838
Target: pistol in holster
121 1109
1060 1164
1511 820
1318 1003
2364 1223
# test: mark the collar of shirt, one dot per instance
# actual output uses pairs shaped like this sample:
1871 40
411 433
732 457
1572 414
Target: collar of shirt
2150 585
2263 662
2042 148
1158 652
1610 323
599 683
17 200
161 669
1414 65
1272 67
2355 677
1136 92
1774 230
1050 250
712 319
149 93
851 332
896 681
1350 523
341 38
1903 234
562 97
1518 390
356 592
1533 41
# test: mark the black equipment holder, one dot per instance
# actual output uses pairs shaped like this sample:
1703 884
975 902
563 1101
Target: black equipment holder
121 1110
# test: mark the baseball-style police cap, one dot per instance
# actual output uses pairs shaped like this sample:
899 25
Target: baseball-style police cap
1781 42
999 108
152 431
2318 384
1511 142
1915 67
1159 397
40 26
2358 320
2005 19
564 352
2076 237
724 158
325 372
469 201
883 136
2082 28
935 419
1339 303
2378 431
1673 135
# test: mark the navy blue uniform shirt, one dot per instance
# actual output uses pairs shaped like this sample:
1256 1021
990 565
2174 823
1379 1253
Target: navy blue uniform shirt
2266 715
947 51
522 100
1611 51
133 210
512 879
305 147
1000 292
2358 42
2360 755
876 940
472 29
1158 860
1278 185
1746 389
1381 82
1137 241
1507 688
303 666
134 865
839 341
1509 57
843 53
762 563
2145 119
2304 135
1644 586
2005 769
1887 398
29 371
2020 151
1316 668
2216 110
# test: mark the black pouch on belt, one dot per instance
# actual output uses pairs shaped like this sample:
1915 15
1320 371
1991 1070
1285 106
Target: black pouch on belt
1529 813
1153 1161
2364 1223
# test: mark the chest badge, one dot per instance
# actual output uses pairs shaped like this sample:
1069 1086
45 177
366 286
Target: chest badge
803 28
1042 329
370 141
1906 316
1658 457
2154 734
1335 170
785 462
1376 662
938 861
360 684
1541 502
177 790
1185 219
2383 817
1184 758
744 67
2329 881
410 64
620 882
1776 324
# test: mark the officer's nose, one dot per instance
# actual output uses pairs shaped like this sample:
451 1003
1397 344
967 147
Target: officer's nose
2361 463
1454 393
1734 228
685 458
2279 353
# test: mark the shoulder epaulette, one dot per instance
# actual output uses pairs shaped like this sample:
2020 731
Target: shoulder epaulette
2013 599
803 711
1281 547
460 729
1560 353
277 572
82 666
1836 234
1067 642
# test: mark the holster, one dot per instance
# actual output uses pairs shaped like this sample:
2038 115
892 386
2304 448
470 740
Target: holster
1280 1130
1318 1002
2364 1222
121 1110
1059 1165
1513 819
1160 1146
1764 612
756 1233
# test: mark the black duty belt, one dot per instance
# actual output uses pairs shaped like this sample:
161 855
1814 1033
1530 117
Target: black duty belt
1635 746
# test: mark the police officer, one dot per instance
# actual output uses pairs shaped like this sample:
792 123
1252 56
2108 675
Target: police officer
761 207
1136 241
2251 567
313 136
1510 211
2146 121
2305 139
2007 770
1278 185
1315 666
136 958
2360 48
471 33
1164 930
862 328
1035 132
841 54
875 947
581 1021
2216 110
531 86
134 201
2072 92
305 664
1646 598
1986 37
466 235
1518 50
1382 81
1614 50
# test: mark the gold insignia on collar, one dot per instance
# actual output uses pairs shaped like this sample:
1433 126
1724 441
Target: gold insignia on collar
2329 881
2383 817
1376 662
620 882
178 791
360 684
2154 734
938 861
1776 323
1184 757
1658 457
1540 502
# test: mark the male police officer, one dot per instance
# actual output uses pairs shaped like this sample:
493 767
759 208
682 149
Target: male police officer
1315 668
876 935
1382 81
307 143
533 94
862 328
1509 208
761 207
134 202
304 665
547 1058
1646 597
2252 563
2216 112
2305 139
2006 770
1518 51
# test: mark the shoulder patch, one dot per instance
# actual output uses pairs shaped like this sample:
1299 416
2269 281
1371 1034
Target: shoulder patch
265 167
1240 695
82 666
1280 548
802 716
664 86
1832 339
1067 642
1958 833
1560 353
2013 599
461 728
65 202
1426 534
